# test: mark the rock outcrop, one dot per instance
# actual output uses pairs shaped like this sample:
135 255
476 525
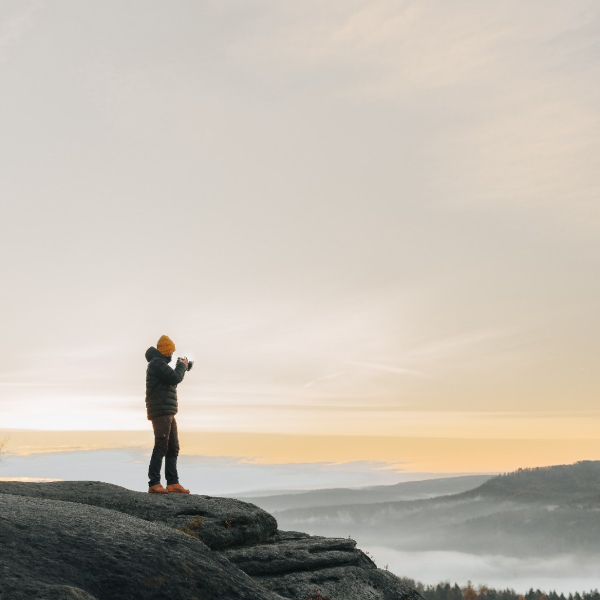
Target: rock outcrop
92 540
297 563
55 549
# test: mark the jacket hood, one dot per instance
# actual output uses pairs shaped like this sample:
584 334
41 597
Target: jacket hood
152 352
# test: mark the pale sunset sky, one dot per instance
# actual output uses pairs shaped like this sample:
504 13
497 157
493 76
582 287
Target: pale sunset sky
373 224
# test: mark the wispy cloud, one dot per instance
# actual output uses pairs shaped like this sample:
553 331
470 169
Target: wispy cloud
387 368
328 377
458 343
507 92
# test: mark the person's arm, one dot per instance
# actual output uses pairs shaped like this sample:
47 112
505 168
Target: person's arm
172 376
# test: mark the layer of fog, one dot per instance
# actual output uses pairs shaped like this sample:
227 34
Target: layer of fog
564 573
203 475
465 523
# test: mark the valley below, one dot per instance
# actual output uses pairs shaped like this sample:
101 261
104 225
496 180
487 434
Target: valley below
535 528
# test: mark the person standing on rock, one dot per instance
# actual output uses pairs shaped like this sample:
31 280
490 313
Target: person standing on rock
161 406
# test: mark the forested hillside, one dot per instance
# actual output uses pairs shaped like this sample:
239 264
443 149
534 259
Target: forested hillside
561 482
531 512
446 591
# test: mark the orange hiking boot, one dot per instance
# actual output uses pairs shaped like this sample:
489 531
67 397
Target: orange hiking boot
157 489
175 488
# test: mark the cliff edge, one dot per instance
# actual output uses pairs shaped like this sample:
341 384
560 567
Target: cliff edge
91 540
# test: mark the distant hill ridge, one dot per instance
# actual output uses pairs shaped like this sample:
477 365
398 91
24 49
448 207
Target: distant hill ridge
403 491
577 480
531 512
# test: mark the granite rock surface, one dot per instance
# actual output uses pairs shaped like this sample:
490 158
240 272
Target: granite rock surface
56 549
226 521
92 540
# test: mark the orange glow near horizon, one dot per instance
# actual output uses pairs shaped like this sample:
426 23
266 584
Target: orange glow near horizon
407 454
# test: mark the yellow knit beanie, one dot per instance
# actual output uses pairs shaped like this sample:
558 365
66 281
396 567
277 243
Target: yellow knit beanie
165 345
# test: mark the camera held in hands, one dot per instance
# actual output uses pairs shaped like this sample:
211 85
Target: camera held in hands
190 362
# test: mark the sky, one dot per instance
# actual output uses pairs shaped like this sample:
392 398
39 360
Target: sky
364 220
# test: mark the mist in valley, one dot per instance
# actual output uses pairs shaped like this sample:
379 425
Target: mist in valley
535 528
567 573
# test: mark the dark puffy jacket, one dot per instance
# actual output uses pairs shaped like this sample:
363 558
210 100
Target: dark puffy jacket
161 384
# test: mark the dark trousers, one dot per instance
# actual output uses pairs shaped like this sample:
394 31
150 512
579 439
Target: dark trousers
166 445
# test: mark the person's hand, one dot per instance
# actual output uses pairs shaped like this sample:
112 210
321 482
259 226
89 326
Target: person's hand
185 362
